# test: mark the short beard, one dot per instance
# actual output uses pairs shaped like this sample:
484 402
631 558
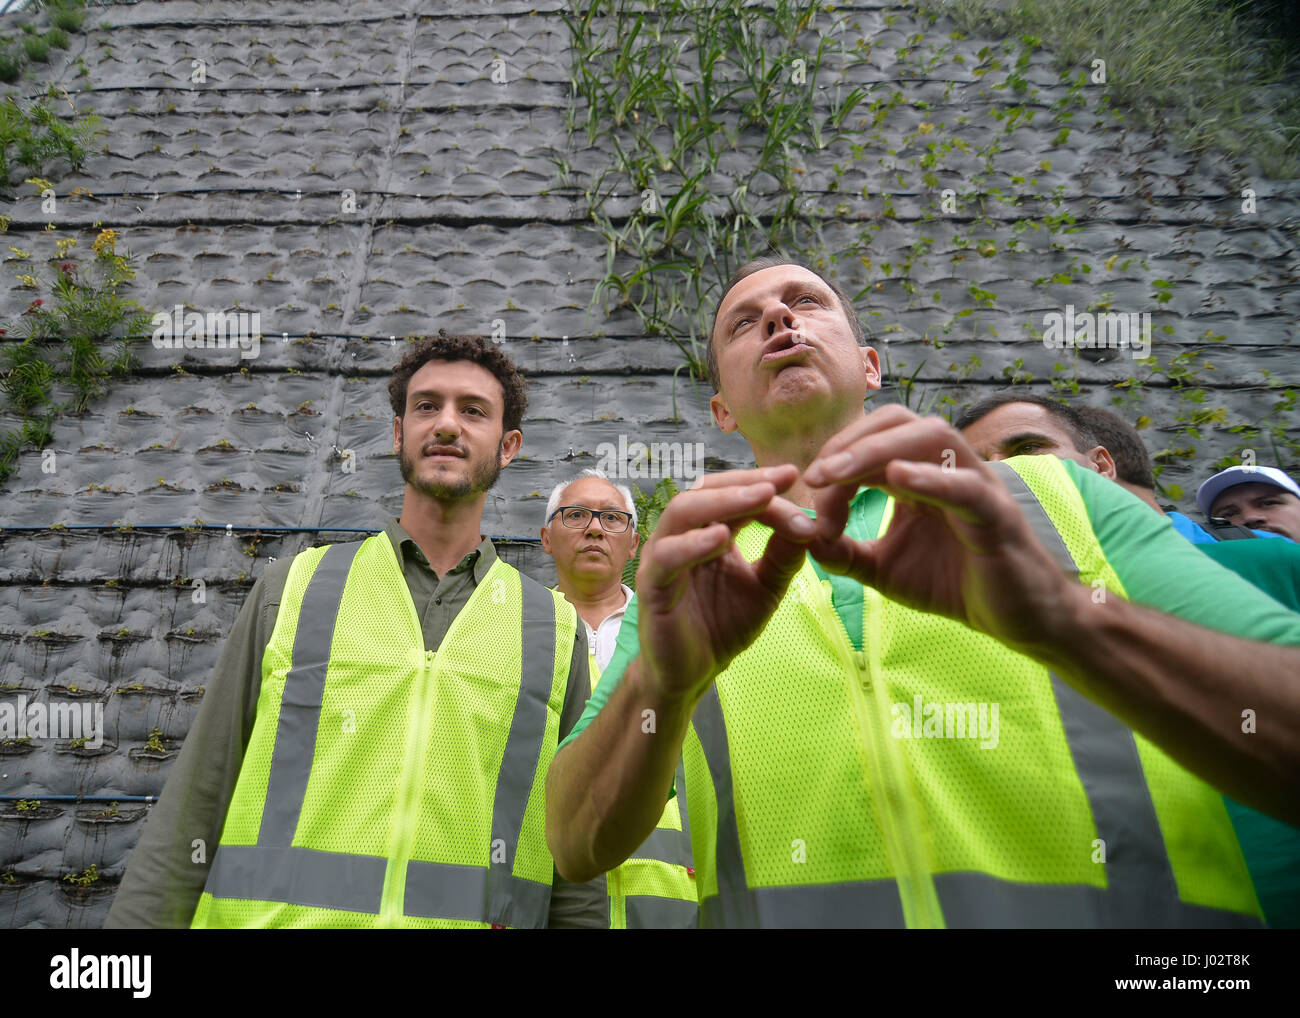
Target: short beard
481 478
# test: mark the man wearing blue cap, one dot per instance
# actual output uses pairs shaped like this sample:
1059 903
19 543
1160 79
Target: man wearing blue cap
1261 498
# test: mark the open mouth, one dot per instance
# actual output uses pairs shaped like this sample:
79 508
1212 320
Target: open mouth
786 353
784 347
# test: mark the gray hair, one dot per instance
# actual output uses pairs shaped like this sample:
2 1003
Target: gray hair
553 502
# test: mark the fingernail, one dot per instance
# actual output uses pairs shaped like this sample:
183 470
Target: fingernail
801 524
836 463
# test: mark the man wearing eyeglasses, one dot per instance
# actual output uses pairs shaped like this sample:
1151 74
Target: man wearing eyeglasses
591 533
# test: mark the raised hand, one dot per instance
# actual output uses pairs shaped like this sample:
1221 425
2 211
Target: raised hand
700 602
958 545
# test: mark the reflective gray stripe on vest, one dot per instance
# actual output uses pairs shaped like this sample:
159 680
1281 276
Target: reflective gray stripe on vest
970 901
865 905
732 882
295 733
298 876
519 763
1039 522
1141 890
448 891
649 912
275 871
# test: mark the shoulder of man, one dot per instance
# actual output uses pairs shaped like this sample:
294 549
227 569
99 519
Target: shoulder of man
166 873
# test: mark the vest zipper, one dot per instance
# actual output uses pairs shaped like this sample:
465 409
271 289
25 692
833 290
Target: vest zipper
886 770
393 901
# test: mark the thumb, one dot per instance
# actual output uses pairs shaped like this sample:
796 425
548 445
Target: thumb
844 556
780 561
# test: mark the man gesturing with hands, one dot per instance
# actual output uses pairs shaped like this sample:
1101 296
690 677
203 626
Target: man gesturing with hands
910 687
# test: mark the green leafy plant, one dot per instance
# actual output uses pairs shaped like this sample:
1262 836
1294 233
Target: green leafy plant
33 135
632 77
1200 69
66 15
11 62
27 805
648 509
85 878
154 743
65 337
37 48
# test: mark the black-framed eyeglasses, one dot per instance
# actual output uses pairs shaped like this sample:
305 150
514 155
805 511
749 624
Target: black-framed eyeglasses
578 516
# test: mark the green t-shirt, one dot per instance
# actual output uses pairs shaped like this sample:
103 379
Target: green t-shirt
1271 847
1156 566
1272 566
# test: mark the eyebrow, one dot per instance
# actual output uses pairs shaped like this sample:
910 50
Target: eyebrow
807 285
417 395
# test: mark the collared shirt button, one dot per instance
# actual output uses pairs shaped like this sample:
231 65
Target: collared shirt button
437 600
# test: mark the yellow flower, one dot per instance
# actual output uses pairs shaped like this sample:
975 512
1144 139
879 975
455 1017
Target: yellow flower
925 128
105 242
65 245
27 280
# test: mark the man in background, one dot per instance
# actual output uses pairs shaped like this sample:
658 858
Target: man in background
591 533
1262 498
1271 847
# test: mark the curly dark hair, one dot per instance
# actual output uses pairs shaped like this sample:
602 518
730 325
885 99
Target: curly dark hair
476 350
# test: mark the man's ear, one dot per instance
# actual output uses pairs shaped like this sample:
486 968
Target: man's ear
636 541
511 443
546 540
397 434
871 361
1102 462
721 414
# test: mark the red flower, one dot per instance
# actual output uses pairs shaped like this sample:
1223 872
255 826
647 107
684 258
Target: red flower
67 268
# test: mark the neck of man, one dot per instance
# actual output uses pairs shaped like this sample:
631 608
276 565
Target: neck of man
1147 495
800 446
594 598
446 531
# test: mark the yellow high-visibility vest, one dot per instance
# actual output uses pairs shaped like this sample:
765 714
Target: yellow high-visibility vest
835 787
387 786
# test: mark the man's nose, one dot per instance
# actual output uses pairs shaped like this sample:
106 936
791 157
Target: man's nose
779 316
446 424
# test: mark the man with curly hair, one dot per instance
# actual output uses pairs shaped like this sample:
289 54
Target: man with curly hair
373 741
